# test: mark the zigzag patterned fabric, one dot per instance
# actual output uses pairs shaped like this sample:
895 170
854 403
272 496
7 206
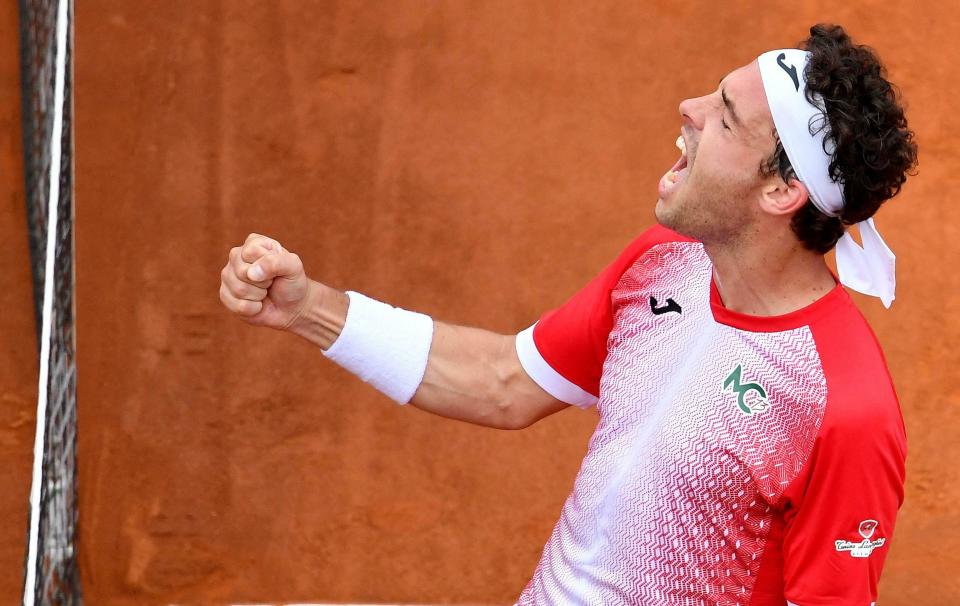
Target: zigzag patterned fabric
736 459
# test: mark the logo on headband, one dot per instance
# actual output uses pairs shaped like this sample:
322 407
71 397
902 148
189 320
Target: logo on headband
791 70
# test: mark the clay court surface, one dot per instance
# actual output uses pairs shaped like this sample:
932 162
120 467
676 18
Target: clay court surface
477 161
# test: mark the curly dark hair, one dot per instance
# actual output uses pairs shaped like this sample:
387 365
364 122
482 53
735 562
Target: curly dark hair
874 149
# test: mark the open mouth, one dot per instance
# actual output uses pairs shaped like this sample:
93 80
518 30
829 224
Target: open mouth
676 175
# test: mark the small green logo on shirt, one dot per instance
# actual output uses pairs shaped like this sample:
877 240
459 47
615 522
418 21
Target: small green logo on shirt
755 404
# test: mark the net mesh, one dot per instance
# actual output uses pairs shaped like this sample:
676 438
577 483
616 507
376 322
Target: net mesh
57 579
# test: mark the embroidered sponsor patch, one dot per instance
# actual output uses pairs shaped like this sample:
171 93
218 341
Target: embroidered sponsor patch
864 548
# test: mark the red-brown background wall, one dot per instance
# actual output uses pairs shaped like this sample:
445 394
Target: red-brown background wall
478 161
18 344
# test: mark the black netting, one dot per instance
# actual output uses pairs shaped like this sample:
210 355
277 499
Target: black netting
57 580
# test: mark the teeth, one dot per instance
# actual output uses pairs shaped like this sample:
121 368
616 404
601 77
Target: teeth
682 145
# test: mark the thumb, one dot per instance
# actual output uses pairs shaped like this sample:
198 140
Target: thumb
275 265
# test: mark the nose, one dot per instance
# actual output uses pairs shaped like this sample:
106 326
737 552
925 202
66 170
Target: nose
691 110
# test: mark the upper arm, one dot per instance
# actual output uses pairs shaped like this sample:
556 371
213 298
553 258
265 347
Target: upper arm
559 359
555 363
540 372
845 506
842 507
564 351
526 401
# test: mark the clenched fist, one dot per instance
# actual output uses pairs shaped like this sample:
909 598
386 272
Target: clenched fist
264 284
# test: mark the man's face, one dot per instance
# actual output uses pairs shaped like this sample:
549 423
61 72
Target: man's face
711 193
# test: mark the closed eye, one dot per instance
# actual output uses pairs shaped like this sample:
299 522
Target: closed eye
730 107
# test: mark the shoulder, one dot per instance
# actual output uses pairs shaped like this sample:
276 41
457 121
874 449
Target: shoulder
861 399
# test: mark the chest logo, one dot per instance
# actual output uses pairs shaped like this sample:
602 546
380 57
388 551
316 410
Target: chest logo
663 309
757 402
864 548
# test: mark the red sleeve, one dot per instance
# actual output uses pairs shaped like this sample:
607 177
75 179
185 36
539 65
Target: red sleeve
842 508
565 350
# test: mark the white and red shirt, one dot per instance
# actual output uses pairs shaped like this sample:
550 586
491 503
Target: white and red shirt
737 460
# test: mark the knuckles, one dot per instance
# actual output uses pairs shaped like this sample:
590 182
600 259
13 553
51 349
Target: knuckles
225 297
240 293
237 305
256 247
248 308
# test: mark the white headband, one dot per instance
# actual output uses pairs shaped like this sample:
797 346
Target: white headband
802 127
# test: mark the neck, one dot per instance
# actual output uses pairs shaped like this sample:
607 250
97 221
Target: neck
769 278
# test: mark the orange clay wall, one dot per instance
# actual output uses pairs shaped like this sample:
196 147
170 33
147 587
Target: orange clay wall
477 161
18 341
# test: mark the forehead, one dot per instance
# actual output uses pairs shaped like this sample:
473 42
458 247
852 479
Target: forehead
744 87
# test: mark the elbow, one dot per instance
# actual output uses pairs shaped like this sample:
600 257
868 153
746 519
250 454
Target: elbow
509 391
519 410
523 423
507 416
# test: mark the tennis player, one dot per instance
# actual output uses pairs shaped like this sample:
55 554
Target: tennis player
750 448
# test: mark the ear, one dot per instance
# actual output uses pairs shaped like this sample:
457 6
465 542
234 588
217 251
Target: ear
779 198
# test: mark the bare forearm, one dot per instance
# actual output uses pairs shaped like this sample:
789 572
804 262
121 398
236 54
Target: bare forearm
465 377
465 374
323 316
470 374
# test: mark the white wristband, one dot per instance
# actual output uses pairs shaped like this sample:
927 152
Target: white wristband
385 346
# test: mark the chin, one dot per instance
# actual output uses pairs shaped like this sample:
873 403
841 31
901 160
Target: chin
666 213
671 218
